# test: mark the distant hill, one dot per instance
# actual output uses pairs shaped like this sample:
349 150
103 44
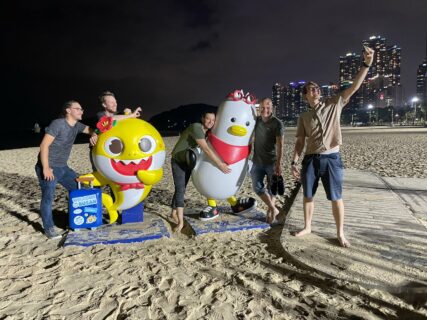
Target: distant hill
172 122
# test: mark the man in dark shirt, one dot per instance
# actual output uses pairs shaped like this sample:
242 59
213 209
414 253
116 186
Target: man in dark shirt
51 167
268 154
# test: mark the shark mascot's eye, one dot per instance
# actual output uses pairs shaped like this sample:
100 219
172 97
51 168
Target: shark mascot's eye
248 123
147 144
233 119
113 146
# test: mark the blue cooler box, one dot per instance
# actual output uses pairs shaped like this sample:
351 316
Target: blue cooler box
85 208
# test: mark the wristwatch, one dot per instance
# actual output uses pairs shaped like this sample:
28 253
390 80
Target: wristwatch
366 65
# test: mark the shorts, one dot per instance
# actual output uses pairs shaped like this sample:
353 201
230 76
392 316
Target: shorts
258 173
327 167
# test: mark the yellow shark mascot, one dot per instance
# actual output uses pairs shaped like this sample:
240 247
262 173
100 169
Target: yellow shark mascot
128 156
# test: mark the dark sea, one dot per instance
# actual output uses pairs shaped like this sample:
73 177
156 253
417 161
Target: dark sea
28 138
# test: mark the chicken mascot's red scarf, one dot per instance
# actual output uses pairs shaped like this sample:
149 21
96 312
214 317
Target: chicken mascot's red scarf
228 152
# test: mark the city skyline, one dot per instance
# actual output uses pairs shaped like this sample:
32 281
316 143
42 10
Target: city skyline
381 88
165 54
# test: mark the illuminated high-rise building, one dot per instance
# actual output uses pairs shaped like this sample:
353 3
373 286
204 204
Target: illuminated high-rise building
382 86
393 65
293 101
422 80
349 67
277 98
379 64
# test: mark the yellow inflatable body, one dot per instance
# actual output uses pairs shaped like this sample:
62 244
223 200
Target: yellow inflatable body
129 156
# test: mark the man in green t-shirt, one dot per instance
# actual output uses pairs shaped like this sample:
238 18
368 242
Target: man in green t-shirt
193 136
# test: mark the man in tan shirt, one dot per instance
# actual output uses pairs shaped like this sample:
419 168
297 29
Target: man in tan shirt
319 130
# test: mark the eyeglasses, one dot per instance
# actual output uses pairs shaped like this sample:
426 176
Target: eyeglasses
80 109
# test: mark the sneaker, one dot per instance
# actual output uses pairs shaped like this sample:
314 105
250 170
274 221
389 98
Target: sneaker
244 204
209 213
52 234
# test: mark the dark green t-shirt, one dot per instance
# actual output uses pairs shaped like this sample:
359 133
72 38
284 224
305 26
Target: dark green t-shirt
265 140
187 140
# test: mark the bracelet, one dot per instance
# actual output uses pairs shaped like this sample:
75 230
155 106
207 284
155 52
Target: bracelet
366 65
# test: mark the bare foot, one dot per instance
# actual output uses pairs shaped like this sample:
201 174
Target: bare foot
274 215
343 242
178 228
271 215
174 216
303 232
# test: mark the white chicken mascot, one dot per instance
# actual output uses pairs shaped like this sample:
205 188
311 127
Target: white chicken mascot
230 138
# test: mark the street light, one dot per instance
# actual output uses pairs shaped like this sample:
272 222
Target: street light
414 105
370 107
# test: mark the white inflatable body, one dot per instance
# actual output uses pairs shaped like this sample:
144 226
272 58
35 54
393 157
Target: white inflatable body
230 138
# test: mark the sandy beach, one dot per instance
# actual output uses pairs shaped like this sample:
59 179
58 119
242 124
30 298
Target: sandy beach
240 275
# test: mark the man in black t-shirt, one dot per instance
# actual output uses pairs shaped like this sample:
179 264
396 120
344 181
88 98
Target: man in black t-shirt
268 155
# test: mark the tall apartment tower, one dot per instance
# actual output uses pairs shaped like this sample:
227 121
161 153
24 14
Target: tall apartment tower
393 64
422 80
293 101
349 67
378 67
382 86
278 91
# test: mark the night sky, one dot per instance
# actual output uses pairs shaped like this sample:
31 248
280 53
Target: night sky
162 54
